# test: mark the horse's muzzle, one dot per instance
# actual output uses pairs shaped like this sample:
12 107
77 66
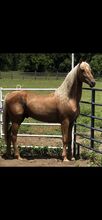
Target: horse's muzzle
92 83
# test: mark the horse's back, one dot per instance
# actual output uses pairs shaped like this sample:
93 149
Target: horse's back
27 104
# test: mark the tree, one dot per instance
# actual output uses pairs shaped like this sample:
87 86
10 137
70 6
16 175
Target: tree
16 58
5 61
96 64
38 62
65 66
48 61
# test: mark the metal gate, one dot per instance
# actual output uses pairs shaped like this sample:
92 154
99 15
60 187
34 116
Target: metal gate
92 116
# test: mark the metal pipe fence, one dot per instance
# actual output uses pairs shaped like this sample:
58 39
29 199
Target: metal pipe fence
92 128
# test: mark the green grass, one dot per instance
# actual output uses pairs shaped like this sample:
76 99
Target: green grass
28 80
30 83
95 159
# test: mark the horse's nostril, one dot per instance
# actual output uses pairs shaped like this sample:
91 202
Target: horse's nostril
93 83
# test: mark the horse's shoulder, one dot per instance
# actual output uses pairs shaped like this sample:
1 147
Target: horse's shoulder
73 105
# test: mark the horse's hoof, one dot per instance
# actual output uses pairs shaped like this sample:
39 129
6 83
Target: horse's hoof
18 157
65 160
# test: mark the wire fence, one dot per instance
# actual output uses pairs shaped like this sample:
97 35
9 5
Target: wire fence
34 75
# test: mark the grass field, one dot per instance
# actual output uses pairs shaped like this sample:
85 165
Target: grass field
31 82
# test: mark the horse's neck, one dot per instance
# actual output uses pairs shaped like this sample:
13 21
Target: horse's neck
71 87
76 91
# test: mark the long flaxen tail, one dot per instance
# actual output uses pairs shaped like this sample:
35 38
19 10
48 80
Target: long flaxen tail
6 121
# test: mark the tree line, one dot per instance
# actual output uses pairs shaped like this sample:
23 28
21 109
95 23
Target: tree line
60 62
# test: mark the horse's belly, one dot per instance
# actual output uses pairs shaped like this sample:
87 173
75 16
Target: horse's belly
44 115
48 118
45 118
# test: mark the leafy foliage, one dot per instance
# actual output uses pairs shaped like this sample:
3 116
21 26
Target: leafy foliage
61 62
40 152
96 64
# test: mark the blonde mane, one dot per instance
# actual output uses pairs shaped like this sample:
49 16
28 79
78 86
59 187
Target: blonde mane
64 89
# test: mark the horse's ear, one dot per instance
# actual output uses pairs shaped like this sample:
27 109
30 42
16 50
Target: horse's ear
81 60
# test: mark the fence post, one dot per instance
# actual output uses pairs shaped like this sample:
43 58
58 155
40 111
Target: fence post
92 118
74 140
0 112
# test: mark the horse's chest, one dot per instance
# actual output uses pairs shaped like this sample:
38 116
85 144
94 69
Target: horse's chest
69 108
73 109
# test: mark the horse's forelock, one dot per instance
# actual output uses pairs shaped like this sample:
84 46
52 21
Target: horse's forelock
84 65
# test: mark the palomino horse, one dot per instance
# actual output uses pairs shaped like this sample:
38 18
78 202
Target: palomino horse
62 107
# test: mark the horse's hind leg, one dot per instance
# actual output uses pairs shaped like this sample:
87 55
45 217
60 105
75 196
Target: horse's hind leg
8 150
15 127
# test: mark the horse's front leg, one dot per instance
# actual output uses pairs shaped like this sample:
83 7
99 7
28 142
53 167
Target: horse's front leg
64 128
70 153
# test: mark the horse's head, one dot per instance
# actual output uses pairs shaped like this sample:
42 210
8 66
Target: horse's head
85 74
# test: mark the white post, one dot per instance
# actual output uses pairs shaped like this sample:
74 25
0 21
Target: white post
0 112
72 60
73 126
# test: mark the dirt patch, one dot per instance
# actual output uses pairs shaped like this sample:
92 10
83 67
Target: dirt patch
39 141
42 163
